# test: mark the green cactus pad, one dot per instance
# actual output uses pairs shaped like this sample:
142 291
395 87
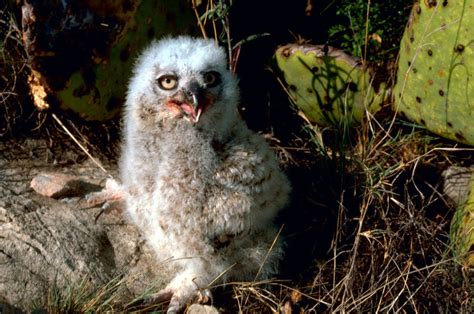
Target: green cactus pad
435 83
327 85
84 61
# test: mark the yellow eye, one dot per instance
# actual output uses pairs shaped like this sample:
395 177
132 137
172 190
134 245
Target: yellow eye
211 79
168 82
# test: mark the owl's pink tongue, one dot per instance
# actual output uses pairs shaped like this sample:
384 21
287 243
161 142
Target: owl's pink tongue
191 112
188 109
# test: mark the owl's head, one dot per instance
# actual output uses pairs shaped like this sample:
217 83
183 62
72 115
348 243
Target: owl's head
183 78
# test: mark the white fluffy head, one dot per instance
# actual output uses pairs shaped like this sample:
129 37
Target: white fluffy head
182 54
188 59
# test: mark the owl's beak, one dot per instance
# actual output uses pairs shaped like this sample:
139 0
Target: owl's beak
191 102
195 99
191 107
197 110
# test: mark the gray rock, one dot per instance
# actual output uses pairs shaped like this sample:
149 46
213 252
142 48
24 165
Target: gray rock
457 182
201 309
48 243
59 185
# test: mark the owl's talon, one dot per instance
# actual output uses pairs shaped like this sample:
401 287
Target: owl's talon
204 296
156 298
111 197
160 296
177 300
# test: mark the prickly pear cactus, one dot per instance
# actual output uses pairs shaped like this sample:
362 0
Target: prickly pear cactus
327 85
81 52
435 82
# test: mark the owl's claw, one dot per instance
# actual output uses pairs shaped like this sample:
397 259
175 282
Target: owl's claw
111 198
159 297
176 298
204 296
112 195
178 301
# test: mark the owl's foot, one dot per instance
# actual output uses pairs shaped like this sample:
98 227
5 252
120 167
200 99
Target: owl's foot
178 299
111 196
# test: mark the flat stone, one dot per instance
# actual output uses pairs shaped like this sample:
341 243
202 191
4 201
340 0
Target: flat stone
457 183
59 185
202 309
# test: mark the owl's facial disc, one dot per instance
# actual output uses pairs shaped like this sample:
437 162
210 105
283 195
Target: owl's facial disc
192 100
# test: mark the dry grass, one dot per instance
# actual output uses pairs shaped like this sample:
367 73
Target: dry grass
13 77
367 214
396 254
388 242
390 248
83 297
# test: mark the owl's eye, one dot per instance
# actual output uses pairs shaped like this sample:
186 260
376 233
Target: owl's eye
211 79
168 82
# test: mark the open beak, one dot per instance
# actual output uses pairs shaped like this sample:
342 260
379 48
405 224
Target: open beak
194 102
191 108
197 109
191 102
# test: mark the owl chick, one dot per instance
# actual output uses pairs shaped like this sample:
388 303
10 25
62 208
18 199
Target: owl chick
202 188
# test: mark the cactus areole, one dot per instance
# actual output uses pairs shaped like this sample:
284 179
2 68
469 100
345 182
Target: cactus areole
435 86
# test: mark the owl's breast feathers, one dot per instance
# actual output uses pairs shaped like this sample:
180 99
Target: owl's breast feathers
231 187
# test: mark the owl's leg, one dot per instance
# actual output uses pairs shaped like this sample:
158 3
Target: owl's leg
161 296
182 290
111 196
